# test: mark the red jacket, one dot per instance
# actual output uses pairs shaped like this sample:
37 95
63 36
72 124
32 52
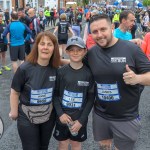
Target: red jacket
146 45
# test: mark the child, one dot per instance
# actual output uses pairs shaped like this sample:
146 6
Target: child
73 98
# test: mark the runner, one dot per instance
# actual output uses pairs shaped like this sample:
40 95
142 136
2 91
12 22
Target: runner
63 27
16 31
32 87
122 67
73 98
3 47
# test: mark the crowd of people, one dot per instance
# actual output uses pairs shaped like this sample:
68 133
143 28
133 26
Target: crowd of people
106 72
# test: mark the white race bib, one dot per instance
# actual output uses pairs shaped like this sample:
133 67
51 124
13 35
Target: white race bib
72 99
108 92
42 96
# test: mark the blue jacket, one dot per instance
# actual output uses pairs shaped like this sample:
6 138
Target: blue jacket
16 30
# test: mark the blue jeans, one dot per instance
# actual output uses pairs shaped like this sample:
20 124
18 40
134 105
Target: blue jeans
76 30
35 136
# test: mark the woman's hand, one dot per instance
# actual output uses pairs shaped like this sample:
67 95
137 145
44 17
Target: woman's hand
13 115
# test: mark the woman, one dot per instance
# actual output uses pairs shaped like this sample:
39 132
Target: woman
63 27
87 37
76 28
145 21
33 85
42 20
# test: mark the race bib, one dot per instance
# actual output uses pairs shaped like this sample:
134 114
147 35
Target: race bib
72 99
108 92
42 96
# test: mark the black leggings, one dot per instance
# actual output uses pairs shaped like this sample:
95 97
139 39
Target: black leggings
35 136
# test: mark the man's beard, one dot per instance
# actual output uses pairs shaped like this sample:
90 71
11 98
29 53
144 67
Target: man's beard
107 43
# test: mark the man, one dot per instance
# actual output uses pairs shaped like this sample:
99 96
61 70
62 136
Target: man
16 40
7 18
47 16
127 21
122 66
115 18
34 25
23 17
3 47
26 20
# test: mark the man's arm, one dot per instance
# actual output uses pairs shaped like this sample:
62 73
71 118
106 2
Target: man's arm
6 31
137 41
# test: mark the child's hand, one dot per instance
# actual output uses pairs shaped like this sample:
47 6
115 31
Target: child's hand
65 119
76 126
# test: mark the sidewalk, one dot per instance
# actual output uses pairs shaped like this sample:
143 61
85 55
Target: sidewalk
49 28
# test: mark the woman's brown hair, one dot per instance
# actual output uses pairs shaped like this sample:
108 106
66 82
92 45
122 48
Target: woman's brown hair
55 58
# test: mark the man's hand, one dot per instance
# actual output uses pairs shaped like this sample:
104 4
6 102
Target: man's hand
65 119
130 77
137 41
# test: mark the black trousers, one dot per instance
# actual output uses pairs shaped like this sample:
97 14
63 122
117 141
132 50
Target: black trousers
35 136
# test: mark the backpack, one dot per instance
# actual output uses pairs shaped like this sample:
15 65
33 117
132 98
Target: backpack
79 17
31 25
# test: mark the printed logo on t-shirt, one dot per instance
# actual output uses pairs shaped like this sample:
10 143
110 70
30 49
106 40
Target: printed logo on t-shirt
108 92
52 78
42 96
83 83
118 59
72 99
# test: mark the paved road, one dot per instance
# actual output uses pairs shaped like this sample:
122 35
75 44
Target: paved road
11 141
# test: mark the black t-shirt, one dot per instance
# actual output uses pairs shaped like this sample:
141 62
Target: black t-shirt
52 14
74 93
63 27
116 100
35 83
26 20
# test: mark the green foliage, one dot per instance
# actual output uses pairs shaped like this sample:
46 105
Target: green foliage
146 2
85 2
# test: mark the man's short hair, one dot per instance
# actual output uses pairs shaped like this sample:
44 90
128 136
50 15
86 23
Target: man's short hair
21 9
124 15
100 17
14 15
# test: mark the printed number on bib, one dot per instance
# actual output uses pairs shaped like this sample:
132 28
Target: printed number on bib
108 92
72 99
42 96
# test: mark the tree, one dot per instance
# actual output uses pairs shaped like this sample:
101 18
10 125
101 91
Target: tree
146 2
85 2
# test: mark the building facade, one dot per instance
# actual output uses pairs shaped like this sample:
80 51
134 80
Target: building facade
5 4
